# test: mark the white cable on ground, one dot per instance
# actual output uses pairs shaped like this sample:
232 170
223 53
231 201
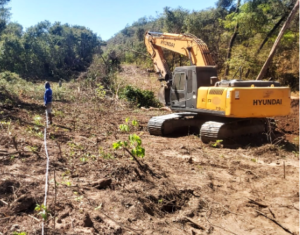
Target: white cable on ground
47 170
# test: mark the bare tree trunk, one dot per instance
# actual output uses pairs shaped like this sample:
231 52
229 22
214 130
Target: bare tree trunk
284 27
230 45
270 33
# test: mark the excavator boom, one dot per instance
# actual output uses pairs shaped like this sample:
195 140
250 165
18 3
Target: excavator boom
185 44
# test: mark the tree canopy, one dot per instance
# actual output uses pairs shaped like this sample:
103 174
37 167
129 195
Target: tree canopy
238 34
45 50
247 29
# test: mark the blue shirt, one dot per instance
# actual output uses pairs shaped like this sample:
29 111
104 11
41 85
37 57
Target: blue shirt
48 95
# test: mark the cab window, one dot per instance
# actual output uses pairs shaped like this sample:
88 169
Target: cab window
179 82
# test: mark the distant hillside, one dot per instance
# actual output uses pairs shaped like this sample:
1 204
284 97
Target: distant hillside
250 28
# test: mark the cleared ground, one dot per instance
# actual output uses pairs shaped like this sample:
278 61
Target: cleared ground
182 186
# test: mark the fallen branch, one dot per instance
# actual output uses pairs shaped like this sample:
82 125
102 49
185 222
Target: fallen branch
99 184
195 223
34 218
272 213
161 109
9 154
295 207
220 227
15 143
4 202
257 203
123 226
275 221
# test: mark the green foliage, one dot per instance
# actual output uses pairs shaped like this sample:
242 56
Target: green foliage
17 233
7 125
135 123
42 209
141 98
124 128
37 120
33 148
255 37
47 50
83 159
100 92
67 183
134 144
127 127
217 144
105 155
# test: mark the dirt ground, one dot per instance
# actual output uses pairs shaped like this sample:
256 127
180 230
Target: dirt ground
181 186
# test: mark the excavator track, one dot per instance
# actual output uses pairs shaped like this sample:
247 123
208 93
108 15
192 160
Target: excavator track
210 131
167 124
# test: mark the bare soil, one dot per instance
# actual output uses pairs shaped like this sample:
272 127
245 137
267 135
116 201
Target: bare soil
181 186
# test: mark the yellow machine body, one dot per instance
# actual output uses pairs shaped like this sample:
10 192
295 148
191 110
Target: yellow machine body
245 102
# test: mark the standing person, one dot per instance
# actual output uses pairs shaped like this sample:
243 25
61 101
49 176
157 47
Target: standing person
48 101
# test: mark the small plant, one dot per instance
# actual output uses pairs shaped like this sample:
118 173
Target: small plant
66 173
126 127
17 233
134 144
100 92
6 124
93 157
105 155
35 131
37 120
74 148
135 123
78 199
39 134
253 160
33 148
42 209
98 207
68 183
8 101
217 144
59 114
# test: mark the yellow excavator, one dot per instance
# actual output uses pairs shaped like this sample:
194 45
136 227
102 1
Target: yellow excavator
218 109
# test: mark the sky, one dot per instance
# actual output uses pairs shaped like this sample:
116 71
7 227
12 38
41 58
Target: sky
104 17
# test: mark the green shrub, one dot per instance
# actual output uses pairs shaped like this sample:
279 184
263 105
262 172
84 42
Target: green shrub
139 97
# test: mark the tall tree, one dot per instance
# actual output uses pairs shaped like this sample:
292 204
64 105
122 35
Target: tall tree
283 29
232 39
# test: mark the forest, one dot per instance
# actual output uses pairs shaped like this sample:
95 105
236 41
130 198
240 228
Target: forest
238 34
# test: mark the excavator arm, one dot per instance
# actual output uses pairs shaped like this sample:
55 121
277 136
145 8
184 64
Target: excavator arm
184 44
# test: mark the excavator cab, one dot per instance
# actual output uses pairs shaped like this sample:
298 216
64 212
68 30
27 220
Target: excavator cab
185 83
